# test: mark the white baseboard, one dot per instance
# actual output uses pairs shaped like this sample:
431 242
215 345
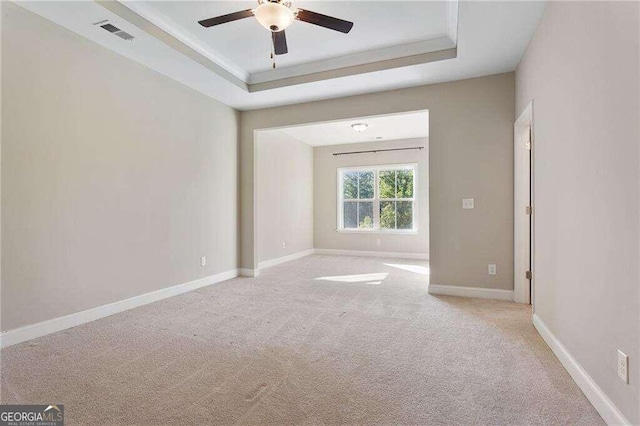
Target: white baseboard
246 272
32 331
284 259
419 256
482 293
605 407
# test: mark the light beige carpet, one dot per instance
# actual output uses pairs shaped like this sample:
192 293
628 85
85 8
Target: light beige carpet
286 348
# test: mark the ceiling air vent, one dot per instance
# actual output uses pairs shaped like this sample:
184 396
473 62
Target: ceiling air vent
114 30
110 28
124 36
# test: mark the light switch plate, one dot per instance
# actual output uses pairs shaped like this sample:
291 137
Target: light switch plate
623 366
203 261
467 203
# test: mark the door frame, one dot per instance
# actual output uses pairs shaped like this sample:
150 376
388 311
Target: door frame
523 196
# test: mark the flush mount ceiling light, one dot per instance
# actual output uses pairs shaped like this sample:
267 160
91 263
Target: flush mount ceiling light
359 127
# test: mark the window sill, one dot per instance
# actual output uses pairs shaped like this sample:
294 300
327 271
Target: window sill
377 232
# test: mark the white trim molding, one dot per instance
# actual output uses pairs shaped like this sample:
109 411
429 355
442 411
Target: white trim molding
32 331
605 407
378 231
482 293
284 259
248 272
333 252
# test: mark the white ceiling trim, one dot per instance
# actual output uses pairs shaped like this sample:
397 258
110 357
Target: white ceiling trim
355 70
452 22
369 57
166 24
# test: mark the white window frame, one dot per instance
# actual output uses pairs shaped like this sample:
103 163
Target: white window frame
376 199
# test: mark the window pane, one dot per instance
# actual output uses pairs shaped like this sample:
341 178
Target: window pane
387 184
404 185
366 215
350 186
393 186
350 215
405 214
366 185
387 215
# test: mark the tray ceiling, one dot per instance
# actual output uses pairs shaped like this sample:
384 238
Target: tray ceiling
393 45
245 45
383 31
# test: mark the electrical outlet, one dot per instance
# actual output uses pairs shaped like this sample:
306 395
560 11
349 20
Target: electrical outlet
203 261
377 241
493 269
467 203
623 366
284 245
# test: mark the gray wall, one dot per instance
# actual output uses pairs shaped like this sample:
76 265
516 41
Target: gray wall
471 155
285 195
581 70
115 179
325 196
1 25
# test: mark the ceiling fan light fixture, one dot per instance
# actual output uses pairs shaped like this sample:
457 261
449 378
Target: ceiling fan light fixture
359 127
274 16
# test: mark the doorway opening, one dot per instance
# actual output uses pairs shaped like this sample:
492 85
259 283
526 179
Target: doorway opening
357 186
523 207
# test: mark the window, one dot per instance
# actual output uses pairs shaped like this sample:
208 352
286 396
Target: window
380 198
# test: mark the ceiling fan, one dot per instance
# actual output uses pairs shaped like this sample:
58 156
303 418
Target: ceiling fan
276 15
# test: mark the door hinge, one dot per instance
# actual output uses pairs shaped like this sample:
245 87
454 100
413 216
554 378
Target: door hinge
528 275
529 140
529 210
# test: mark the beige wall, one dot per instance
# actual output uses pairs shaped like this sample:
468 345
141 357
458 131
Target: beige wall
115 179
471 155
325 196
581 70
285 195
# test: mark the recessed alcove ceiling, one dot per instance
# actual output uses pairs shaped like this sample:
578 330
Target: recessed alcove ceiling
381 128
393 44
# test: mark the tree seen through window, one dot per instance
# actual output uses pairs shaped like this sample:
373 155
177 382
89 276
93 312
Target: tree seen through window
378 199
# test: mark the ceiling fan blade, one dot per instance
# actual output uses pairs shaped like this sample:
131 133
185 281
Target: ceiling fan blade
324 21
279 42
226 18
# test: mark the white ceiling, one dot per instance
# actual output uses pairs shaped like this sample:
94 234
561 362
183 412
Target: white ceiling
387 127
245 45
491 38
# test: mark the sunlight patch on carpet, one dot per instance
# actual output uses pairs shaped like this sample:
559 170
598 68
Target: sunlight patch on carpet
422 270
